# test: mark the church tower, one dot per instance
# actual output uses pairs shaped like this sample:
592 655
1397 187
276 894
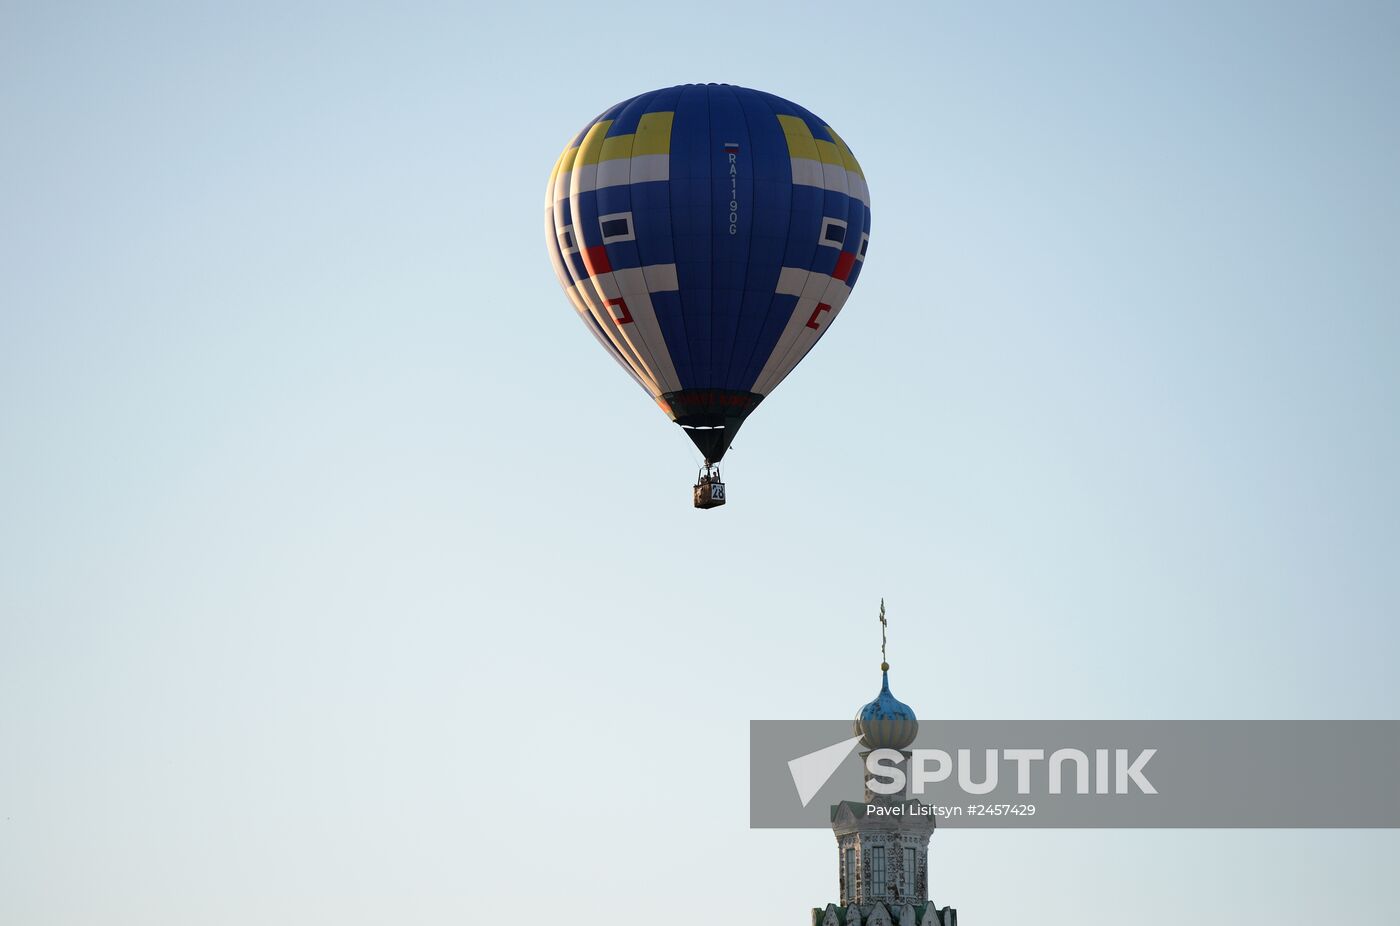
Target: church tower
882 859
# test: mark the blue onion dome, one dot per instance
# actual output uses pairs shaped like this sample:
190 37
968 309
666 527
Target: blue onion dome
886 722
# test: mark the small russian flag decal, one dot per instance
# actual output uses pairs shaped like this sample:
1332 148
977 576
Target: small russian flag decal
731 146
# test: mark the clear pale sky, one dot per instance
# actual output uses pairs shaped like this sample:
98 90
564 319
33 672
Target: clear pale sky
339 567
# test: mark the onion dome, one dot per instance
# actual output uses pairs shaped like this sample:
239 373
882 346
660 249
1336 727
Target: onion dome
886 722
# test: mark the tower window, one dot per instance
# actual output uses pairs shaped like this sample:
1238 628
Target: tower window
911 872
877 872
833 232
616 227
850 875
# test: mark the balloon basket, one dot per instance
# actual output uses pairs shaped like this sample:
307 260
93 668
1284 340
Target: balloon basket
709 490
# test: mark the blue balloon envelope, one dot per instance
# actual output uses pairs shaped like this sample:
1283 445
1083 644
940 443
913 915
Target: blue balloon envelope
708 236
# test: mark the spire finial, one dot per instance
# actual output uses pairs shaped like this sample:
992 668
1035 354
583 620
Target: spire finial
884 663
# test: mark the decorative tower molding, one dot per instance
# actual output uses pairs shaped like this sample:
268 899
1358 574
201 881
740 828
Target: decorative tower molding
882 857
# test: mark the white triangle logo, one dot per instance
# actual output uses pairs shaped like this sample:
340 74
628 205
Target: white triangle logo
813 770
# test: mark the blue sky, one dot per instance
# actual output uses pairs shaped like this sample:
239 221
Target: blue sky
330 541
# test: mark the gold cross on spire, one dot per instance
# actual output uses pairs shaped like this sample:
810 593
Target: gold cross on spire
884 663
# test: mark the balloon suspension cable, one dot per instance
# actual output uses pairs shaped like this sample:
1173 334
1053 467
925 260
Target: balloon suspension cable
691 454
884 663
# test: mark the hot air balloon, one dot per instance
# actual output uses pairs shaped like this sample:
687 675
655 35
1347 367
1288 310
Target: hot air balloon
708 236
